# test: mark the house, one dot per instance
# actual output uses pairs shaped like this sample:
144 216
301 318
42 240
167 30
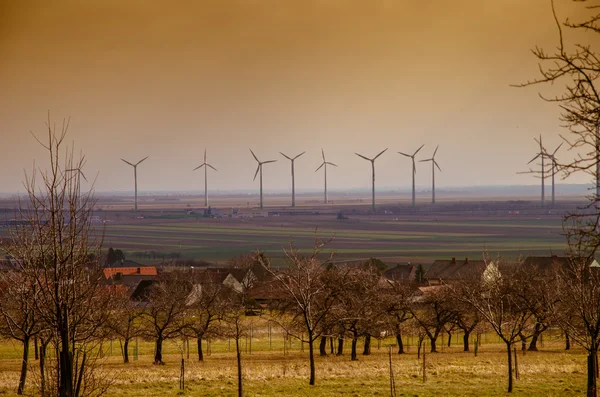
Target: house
402 273
448 271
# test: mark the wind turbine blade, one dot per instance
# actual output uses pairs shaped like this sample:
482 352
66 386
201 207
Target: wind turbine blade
323 154
205 155
422 161
256 173
335 165
417 151
255 158
200 166
289 158
435 151
298 155
321 166
138 163
404 154
211 167
127 162
380 153
538 155
556 150
360 155
268 161
83 175
436 164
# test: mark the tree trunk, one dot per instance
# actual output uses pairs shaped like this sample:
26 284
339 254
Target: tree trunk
239 365
510 374
42 368
449 338
323 346
567 341
158 351
332 350
433 346
65 368
340 347
523 342
399 342
591 373
466 341
311 358
367 346
36 348
353 349
126 351
200 352
537 331
24 366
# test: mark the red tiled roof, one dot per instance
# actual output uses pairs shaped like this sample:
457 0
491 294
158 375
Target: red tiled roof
130 271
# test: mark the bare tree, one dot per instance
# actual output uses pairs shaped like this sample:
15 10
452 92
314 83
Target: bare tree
578 288
124 321
501 304
164 312
308 297
577 67
58 254
432 312
233 326
396 303
359 307
19 319
207 306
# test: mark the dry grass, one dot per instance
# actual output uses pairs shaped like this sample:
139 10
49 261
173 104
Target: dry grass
550 372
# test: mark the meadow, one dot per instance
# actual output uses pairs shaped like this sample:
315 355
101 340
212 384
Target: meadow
271 371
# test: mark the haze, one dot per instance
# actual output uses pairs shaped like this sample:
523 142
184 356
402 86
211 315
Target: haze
169 79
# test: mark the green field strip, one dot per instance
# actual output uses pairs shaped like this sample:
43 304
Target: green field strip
348 234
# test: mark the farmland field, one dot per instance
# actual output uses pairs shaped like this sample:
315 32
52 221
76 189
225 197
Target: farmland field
389 238
397 233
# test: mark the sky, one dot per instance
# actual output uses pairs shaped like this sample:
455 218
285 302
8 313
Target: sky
170 79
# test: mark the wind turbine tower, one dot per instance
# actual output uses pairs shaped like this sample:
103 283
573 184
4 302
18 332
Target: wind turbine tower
414 172
135 176
373 171
324 165
552 158
205 165
292 159
541 154
433 165
259 169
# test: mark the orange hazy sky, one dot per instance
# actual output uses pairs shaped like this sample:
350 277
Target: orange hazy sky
168 79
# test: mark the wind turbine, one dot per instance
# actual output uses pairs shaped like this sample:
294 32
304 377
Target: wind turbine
259 168
80 175
205 165
433 165
414 171
293 183
541 154
324 165
373 170
135 176
552 158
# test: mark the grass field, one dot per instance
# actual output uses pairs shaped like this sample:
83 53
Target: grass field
267 372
